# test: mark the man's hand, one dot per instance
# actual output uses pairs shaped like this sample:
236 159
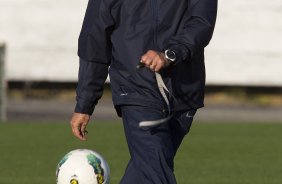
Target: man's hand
78 124
154 60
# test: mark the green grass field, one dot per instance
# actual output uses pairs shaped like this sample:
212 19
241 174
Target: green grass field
213 153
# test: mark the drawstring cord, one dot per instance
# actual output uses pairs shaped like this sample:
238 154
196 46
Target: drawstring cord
163 89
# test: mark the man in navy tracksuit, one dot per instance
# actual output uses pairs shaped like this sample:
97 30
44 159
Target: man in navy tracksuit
163 38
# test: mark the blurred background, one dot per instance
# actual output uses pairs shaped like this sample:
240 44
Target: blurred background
38 69
243 61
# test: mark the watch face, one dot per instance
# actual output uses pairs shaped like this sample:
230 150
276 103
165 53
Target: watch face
171 55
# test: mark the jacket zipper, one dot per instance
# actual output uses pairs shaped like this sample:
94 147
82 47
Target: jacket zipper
155 22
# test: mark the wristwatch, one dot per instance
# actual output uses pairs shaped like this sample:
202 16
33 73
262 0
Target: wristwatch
170 55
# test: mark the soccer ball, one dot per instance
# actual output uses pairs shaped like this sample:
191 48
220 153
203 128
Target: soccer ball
83 166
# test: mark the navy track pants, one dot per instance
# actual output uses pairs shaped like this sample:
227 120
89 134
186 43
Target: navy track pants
152 151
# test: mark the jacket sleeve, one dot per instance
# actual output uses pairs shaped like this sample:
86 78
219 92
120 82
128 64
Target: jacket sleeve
197 29
94 44
94 51
90 86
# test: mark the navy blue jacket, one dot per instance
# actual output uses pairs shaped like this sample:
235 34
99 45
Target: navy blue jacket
117 33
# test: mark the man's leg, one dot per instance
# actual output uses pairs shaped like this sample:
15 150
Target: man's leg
152 151
131 174
180 126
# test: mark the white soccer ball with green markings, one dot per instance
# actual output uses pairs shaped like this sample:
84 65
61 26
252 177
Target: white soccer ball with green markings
83 166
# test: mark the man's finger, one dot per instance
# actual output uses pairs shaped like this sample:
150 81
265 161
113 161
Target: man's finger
158 68
147 59
160 65
148 62
153 65
76 129
78 133
144 58
83 130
